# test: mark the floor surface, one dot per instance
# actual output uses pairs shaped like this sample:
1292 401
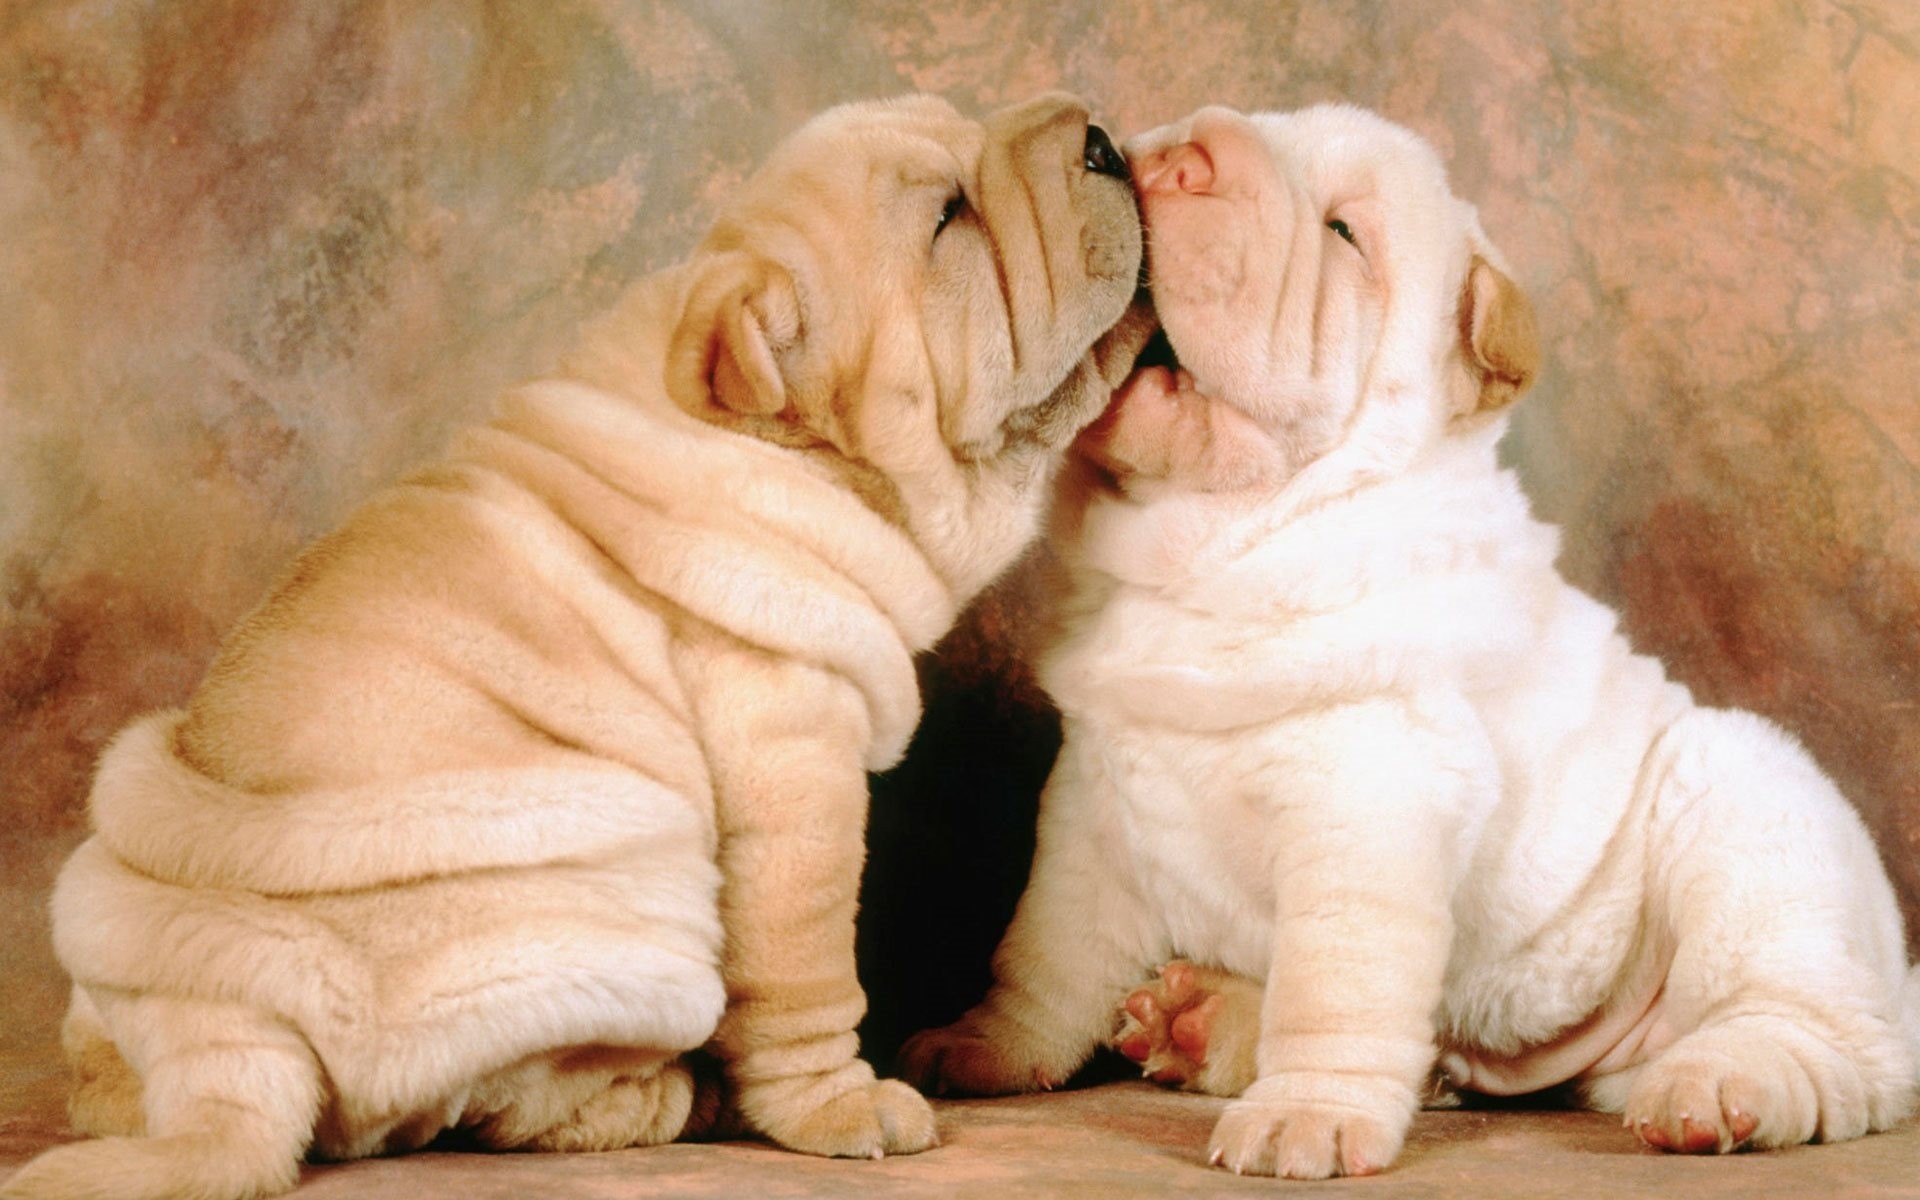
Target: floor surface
1119 1141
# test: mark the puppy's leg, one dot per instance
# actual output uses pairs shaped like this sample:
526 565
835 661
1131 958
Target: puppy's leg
1193 1027
231 1096
1789 964
591 1098
105 1100
1368 801
784 741
1080 938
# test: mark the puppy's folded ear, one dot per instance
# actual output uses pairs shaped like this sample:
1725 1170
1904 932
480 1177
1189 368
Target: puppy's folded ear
741 312
1498 335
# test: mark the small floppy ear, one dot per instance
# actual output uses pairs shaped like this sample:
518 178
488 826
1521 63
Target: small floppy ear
1498 335
741 311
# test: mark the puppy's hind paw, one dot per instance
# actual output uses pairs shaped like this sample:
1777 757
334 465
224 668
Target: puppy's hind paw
1758 1081
1698 1114
965 1059
1192 1028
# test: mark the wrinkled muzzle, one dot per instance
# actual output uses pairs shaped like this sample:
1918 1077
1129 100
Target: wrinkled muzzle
1056 202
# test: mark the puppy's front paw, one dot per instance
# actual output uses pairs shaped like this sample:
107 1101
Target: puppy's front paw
873 1120
974 1057
1275 1130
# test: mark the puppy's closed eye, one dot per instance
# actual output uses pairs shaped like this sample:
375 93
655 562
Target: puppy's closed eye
956 203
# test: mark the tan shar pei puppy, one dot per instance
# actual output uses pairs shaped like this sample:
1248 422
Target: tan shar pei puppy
548 767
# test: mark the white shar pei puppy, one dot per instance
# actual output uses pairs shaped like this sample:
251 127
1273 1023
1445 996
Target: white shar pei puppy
1333 722
548 767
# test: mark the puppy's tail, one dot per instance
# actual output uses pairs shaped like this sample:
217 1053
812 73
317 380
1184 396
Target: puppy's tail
225 1165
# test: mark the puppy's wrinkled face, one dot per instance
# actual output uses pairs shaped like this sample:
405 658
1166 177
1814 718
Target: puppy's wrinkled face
917 297
1312 271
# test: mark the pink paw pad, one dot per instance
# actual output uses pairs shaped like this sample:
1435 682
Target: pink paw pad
1192 1027
1167 1025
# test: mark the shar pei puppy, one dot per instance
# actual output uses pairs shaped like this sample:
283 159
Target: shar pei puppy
547 768
1337 730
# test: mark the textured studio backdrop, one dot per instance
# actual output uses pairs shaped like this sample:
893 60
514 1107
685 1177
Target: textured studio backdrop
256 259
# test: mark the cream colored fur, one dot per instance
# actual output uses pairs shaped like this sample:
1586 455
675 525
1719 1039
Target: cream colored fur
549 766
1334 722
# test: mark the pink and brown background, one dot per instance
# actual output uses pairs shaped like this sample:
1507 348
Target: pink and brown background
256 259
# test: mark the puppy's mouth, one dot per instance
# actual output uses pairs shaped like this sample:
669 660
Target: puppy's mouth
1158 352
1120 442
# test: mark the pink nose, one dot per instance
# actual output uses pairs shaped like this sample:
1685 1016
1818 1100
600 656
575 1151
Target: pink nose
1186 168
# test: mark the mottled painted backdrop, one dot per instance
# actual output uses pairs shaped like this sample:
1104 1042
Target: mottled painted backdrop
256 258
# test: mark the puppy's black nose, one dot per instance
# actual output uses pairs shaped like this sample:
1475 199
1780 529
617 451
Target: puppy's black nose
1102 158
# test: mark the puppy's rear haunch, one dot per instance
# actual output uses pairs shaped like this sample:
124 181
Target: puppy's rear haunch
1334 723
548 767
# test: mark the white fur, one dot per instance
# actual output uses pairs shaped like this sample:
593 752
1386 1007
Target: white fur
1350 732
